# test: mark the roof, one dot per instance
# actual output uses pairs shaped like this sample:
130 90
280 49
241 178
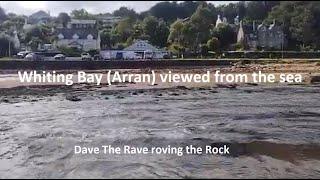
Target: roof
141 45
39 14
82 21
82 33
108 17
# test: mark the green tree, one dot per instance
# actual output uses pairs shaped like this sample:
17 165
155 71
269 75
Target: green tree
176 35
168 11
125 29
6 44
213 44
156 31
125 12
34 43
301 27
225 34
39 34
105 37
150 24
256 10
190 37
3 15
81 14
161 35
300 21
202 21
63 18
138 32
203 50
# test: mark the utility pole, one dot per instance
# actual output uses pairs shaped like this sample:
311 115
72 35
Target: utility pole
9 48
282 39
197 45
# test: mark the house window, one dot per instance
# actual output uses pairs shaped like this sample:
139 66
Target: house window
75 36
90 37
60 36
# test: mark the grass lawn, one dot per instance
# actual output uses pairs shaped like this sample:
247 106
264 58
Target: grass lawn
6 58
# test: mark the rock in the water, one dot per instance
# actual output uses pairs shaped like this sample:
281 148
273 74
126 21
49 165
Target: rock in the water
120 97
72 98
201 88
252 84
230 86
315 79
213 91
182 87
6 100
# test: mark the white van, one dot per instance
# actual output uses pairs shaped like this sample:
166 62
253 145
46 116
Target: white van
148 55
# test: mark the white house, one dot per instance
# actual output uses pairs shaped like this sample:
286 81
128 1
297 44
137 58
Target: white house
81 34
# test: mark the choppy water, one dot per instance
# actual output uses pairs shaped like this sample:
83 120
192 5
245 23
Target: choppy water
273 132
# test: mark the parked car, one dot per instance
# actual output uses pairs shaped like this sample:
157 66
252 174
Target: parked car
22 54
33 57
59 57
119 56
86 56
97 57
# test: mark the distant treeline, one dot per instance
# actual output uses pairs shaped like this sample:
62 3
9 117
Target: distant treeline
184 27
271 54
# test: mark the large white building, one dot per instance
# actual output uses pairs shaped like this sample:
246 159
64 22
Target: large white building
81 34
140 49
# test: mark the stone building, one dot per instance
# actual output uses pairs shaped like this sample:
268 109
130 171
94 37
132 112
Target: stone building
261 37
254 37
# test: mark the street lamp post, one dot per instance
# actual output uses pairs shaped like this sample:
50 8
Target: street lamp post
282 39
9 48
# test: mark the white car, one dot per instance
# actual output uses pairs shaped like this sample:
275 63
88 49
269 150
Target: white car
33 57
86 56
22 54
59 57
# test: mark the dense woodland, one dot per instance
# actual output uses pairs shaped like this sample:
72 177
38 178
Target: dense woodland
183 27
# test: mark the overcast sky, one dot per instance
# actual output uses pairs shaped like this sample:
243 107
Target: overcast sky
55 7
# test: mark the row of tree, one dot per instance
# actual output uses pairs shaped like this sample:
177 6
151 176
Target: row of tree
187 26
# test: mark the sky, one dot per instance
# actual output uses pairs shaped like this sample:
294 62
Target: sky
95 7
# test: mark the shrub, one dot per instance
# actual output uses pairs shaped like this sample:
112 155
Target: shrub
70 51
93 52
213 44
